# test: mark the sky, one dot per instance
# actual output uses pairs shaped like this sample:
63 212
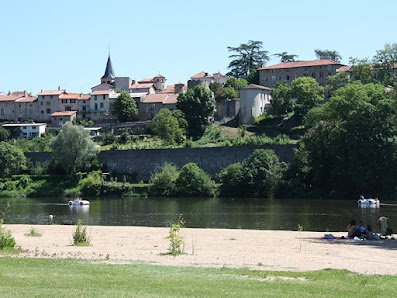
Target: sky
46 44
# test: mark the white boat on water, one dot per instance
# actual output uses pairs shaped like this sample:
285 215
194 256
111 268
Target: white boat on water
368 203
78 202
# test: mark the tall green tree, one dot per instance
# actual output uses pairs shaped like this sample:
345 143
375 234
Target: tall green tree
125 107
198 106
328 54
308 94
281 99
166 126
12 160
351 143
341 79
385 62
194 182
73 148
4 134
362 70
285 57
245 58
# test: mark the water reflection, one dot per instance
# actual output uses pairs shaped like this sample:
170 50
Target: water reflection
269 214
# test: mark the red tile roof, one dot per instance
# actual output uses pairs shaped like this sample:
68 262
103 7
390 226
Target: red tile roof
9 97
146 81
27 99
201 75
163 98
141 86
254 86
159 76
64 113
301 64
52 92
220 75
344 68
102 92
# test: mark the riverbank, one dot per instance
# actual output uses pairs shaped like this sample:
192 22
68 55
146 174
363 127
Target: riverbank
253 249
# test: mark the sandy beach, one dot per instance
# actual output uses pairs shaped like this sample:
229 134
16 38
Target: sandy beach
261 250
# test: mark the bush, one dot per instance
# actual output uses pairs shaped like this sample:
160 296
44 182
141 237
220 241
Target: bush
91 185
164 181
194 182
177 241
7 241
108 138
124 137
80 237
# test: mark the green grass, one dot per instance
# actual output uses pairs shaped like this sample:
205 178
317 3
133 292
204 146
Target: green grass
21 277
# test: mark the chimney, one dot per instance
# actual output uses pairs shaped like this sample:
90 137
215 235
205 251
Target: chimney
25 94
59 88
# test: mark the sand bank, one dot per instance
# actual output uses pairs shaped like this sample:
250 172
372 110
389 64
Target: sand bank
261 250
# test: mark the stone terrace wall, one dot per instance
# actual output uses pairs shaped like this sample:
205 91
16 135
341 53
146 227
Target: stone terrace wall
146 162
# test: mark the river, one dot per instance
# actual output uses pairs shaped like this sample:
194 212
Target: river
262 214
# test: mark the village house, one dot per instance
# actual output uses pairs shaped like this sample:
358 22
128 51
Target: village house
60 118
254 100
101 105
289 71
205 79
16 106
28 130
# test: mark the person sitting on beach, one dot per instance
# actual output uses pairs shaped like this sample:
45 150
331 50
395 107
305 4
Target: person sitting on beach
368 233
351 229
360 229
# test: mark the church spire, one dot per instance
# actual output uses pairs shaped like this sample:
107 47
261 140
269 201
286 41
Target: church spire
109 73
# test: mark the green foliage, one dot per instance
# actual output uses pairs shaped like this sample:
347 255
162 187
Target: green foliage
385 62
164 181
73 148
194 182
245 58
39 144
12 160
33 233
108 138
219 91
350 146
125 107
253 77
361 70
125 137
7 241
4 134
341 79
257 176
91 185
281 99
166 126
177 241
236 84
230 93
198 107
328 54
285 57
80 237
308 94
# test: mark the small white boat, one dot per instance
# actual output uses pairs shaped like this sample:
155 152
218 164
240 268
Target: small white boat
79 202
368 203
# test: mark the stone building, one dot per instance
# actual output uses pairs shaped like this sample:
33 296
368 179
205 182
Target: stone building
18 105
48 102
289 71
101 105
254 99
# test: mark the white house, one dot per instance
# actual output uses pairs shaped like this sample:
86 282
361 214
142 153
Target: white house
28 130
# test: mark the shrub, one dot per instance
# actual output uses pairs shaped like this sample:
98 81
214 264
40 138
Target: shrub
124 137
33 233
177 241
80 237
108 138
163 182
194 182
91 185
7 241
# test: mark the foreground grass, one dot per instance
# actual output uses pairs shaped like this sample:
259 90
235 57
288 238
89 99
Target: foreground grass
47 277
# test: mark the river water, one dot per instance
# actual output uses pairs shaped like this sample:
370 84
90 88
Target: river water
262 214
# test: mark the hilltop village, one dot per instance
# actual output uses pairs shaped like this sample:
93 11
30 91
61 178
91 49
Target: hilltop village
50 109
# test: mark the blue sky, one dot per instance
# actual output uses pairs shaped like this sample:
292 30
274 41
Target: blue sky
46 44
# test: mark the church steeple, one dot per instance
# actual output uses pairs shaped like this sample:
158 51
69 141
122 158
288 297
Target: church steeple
108 77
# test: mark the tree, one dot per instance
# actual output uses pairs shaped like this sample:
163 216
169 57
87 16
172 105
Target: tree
351 143
12 160
327 54
163 181
307 93
361 70
257 176
236 84
198 106
166 126
125 107
194 182
385 62
4 134
219 91
281 99
230 93
285 57
246 57
253 77
341 79
73 148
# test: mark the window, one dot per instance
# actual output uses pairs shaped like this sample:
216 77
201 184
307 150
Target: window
287 78
280 70
273 70
48 111
101 105
94 97
296 76
96 107
48 103
33 127
273 78
64 101
104 97
68 108
41 103
265 78
42 112
20 105
321 74
24 127
72 101
280 78
50 96
313 75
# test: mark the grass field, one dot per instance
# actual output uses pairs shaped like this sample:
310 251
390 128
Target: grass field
20 277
